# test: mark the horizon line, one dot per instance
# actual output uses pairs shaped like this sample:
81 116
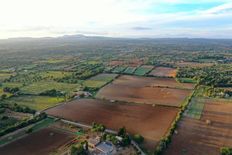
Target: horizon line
113 37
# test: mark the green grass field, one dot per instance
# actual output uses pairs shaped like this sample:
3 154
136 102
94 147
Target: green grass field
52 61
39 87
142 70
94 83
12 84
195 108
54 74
129 70
201 91
42 124
4 76
2 92
99 80
35 102
187 80
119 69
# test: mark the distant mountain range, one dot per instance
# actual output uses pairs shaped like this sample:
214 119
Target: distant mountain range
81 36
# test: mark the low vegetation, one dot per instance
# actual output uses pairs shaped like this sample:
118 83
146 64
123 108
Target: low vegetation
22 124
34 102
142 70
226 151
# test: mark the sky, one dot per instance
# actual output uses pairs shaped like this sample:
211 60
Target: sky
116 18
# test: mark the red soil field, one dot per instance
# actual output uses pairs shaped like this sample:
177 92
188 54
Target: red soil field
196 137
42 142
150 122
164 72
116 63
161 91
131 63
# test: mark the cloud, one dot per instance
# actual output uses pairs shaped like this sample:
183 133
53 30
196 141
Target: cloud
140 28
115 17
221 9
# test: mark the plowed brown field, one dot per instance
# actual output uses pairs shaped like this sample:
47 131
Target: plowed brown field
42 142
151 122
196 137
161 91
163 72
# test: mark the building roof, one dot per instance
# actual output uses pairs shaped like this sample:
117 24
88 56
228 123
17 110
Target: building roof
94 141
105 147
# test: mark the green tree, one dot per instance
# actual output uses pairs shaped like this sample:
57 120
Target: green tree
78 150
3 96
122 132
138 138
226 151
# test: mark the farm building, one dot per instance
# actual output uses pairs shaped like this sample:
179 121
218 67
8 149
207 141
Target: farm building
100 148
93 142
106 148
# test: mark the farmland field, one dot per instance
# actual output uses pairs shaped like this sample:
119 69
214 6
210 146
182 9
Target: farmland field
193 64
35 102
54 74
12 84
2 92
143 90
163 72
142 70
39 87
187 80
199 137
116 62
195 108
172 91
42 142
129 70
99 80
118 69
42 124
4 76
142 119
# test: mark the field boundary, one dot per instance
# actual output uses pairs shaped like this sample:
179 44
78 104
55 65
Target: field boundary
20 130
166 140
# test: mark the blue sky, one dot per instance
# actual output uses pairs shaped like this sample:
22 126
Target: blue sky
116 18
179 7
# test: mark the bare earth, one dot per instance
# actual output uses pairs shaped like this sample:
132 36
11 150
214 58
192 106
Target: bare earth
164 72
161 91
196 137
42 142
151 122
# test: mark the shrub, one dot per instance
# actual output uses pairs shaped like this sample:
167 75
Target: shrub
23 124
122 132
98 127
138 138
78 150
53 93
226 151
29 130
